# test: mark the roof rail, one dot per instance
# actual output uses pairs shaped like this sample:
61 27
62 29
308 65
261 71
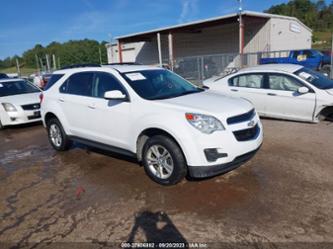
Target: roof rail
81 65
122 63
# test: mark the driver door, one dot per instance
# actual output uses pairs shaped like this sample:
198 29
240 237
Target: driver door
284 101
109 120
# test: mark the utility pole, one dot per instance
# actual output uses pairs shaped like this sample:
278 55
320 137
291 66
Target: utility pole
18 67
54 62
48 67
37 64
100 55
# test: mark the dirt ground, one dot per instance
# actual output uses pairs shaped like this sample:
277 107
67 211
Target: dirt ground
284 195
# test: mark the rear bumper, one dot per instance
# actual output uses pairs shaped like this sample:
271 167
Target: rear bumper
208 171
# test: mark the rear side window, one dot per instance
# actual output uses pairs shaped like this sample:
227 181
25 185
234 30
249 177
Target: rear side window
54 78
105 82
248 81
79 84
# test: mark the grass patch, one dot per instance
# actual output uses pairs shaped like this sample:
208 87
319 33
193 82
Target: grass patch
24 70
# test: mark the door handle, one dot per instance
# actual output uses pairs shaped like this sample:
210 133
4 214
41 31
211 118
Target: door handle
61 100
92 106
271 94
234 90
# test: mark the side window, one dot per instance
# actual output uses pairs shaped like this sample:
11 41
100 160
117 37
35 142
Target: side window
308 54
79 84
105 82
296 54
248 81
283 82
54 78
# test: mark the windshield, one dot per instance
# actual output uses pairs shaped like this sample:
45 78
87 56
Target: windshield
16 87
159 84
315 78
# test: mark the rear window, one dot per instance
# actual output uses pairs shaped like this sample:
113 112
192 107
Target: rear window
54 78
16 87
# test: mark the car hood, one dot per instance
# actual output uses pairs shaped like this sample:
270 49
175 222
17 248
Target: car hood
211 103
21 99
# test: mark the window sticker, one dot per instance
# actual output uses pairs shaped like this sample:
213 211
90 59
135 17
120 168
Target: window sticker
135 76
305 75
1 85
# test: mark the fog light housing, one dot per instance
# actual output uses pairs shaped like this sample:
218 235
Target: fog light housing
12 119
213 154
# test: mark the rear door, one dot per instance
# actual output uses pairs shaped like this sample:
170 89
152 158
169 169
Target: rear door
75 95
283 99
249 86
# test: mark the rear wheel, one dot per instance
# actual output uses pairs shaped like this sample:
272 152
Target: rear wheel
163 160
57 136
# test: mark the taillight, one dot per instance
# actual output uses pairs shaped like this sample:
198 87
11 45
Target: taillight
41 97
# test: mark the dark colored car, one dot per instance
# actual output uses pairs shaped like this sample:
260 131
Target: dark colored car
3 76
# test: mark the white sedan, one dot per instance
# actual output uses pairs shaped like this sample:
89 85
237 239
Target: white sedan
283 91
19 102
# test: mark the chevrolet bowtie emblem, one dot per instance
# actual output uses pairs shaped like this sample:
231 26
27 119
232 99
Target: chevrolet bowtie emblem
251 123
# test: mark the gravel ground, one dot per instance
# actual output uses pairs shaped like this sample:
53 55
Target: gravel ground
282 198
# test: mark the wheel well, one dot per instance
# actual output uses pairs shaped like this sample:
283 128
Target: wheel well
326 112
48 116
148 133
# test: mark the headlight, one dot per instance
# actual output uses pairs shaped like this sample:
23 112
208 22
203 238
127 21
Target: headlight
204 123
9 107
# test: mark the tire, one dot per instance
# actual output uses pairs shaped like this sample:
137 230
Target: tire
326 69
171 168
57 136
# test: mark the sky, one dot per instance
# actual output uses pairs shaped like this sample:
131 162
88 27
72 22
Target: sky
23 24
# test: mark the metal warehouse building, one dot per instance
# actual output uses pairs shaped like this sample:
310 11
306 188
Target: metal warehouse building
221 39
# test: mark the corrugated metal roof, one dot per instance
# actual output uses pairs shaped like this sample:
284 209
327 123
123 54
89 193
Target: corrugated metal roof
245 13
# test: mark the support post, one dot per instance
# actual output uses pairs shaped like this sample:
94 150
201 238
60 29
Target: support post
54 62
241 33
37 64
160 61
120 52
171 55
18 67
331 74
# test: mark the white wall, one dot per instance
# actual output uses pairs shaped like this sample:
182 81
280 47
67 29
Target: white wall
288 35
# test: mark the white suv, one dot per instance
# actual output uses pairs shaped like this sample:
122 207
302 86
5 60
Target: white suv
173 127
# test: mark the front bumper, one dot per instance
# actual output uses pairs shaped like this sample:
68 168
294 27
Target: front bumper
208 171
20 117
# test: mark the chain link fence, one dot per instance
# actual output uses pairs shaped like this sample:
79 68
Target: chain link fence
199 68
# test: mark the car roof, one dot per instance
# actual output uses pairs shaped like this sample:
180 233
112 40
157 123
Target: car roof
10 80
120 68
289 68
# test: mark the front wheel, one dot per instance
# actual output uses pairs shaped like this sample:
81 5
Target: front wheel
57 136
164 161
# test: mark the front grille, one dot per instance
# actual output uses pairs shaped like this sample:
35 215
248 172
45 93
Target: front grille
241 118
31 107
247 134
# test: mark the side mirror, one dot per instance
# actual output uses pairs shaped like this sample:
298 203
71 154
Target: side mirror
303 90
115 95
